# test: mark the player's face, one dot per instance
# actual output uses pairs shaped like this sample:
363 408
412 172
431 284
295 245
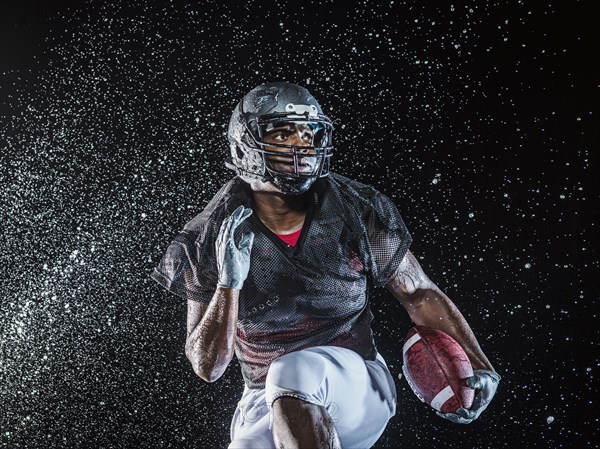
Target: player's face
295 134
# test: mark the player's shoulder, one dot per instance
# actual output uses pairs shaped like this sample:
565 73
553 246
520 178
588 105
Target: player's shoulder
354 191
225 201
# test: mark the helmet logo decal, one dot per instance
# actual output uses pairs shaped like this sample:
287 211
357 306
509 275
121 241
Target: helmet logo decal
267 101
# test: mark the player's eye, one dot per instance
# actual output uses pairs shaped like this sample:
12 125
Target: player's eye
278 135
307 136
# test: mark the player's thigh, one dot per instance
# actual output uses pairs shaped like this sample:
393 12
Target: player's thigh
357 391
250 423
358 395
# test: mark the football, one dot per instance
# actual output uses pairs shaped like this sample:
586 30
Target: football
436 368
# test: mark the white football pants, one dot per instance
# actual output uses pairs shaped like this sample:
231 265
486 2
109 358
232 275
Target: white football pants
359 395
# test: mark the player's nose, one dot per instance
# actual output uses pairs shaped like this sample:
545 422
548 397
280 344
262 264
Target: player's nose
301 137
298 139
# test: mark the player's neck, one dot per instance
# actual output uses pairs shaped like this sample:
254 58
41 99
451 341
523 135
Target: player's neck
281 213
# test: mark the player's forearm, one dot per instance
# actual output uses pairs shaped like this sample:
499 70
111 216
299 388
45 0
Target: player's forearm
431 307
210 345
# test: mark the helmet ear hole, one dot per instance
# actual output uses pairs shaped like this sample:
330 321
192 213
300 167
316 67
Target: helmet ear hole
239 153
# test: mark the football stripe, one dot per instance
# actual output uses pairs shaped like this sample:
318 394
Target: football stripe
442 397
411 341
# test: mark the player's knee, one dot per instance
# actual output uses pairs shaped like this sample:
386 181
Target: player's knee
300 372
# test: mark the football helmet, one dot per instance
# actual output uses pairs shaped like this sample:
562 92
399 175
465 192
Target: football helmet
278 133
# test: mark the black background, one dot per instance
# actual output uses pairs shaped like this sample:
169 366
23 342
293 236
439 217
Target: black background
477 118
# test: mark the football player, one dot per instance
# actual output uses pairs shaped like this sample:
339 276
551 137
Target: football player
276 270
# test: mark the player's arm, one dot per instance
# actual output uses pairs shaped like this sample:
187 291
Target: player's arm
211 332
212 327
428 306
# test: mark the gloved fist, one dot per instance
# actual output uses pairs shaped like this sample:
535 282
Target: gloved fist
486 382
233 262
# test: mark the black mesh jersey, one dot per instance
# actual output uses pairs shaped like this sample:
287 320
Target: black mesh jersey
315 293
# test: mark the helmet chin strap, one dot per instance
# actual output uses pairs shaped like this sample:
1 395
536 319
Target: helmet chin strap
293 186
280 185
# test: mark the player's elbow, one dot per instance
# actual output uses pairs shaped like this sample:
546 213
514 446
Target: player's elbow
205 369
209 377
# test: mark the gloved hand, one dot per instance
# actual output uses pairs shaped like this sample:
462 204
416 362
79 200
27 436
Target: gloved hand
233 262
486 383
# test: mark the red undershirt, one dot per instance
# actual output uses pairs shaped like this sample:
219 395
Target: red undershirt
290 239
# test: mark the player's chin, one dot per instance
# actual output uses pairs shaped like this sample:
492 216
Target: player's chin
264 186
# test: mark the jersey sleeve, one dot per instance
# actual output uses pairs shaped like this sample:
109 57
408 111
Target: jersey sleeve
188 268
388 238
189 265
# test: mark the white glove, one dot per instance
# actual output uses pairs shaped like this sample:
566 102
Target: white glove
486 383
233 262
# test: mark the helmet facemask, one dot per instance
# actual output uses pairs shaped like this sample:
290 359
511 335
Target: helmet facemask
293 150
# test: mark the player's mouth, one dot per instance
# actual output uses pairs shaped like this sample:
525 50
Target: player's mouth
286 165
